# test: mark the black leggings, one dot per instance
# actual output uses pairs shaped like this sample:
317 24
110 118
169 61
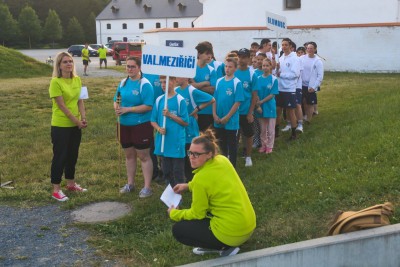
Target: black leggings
228 142
66 141
197 233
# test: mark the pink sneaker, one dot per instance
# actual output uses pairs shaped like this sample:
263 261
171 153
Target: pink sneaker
59 196
268 150
76 187
262 149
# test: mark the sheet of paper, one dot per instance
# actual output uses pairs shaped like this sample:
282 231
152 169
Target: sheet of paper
169 197
84 93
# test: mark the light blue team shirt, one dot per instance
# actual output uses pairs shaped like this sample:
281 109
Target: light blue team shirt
226 94
207 73
193 98
218 67
174 141
258 72
154 79
248 79
266 86
135 93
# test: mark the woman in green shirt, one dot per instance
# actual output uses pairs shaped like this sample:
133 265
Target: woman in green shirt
221 216
67 120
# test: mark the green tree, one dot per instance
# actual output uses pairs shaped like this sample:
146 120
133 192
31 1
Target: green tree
74 33
29 25
52 28
8 25
90 28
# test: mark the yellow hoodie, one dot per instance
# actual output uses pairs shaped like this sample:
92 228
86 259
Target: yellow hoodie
218 193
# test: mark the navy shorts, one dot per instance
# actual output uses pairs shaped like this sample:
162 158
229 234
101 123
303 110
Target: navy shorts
299 96
311 98
286 100
246 127
138 136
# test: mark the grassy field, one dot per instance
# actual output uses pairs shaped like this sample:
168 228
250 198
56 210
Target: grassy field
348 158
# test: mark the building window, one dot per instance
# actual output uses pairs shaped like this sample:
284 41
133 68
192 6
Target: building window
289 4
140 25
124 26
158 25
176 25
108 26
108 39
125 39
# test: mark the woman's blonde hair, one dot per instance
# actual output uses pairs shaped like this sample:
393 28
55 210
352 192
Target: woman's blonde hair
209 141
57 63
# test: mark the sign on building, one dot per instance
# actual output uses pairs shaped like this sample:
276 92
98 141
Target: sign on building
174 43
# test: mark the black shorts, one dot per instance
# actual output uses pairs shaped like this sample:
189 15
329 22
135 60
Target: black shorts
311 98
103 60
85 62
246 127
138 136
299 96
286 100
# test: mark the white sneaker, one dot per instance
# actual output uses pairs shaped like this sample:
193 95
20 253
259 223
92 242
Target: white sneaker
203 251
299 128
287 128
248 163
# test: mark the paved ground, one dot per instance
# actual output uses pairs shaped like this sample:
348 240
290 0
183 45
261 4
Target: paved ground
93 69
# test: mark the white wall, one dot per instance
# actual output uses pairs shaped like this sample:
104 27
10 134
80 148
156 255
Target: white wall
364 49
117 33
234 13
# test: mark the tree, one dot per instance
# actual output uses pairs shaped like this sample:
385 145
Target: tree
90 29
29 25
8 25
74 33
52 28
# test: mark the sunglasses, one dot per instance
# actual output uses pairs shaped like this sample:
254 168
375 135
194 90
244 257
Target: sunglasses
67 61
195 154
130 66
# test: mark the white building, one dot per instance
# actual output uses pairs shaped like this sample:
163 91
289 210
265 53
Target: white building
357 35
126 20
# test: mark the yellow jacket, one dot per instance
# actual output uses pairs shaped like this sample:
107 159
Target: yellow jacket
218 193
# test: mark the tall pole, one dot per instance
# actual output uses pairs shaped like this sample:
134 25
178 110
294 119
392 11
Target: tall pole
119 139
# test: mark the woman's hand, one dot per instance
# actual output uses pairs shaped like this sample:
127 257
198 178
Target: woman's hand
179 188
171 208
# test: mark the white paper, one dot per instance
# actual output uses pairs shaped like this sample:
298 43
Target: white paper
170 198
84 93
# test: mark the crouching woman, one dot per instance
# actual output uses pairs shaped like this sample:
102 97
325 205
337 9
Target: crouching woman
221 216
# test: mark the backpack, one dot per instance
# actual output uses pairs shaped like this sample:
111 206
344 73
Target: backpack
371 217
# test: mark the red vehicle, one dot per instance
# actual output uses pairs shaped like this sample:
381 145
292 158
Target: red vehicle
122 50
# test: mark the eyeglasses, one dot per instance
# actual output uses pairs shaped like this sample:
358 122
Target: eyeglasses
67 61
130 66
195 154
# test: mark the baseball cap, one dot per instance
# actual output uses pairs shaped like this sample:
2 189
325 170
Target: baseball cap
244 52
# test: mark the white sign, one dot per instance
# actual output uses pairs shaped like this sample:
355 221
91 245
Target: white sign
169 61
275 22
84 93
170 198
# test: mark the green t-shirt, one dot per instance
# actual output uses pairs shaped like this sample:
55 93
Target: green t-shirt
217 189
102 52
85 54
70 90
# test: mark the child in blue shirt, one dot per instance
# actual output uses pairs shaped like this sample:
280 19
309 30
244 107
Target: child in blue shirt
173 148
196 100
228 96
267 88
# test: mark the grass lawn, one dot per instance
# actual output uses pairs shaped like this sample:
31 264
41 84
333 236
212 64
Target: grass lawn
348 158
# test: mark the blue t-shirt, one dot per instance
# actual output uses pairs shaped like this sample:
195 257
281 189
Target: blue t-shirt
218 67
226 94
193 98
206 73
135 93
248 79
258 72
154 79
174 140
267 86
